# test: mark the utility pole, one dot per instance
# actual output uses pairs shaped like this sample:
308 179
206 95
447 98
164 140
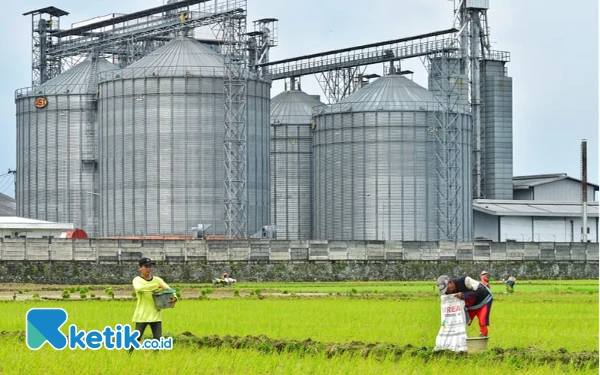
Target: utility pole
584 190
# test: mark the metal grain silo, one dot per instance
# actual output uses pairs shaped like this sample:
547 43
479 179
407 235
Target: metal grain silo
291 163
376 164
161 144
55 147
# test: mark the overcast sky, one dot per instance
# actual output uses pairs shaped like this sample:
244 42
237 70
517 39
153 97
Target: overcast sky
553 46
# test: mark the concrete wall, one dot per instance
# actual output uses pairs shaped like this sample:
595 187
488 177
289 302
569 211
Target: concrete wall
183 251
115 261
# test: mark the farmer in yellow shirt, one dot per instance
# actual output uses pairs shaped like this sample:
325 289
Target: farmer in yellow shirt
146 312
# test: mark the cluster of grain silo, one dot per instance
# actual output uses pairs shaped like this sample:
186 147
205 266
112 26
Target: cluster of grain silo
364 168
144 150
156 167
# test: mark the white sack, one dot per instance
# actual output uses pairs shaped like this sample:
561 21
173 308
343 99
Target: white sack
453 332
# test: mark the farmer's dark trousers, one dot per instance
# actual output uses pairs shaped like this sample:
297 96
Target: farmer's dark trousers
156 330
155 326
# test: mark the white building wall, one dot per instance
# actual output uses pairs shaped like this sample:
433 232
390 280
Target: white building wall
31 232
516 228
551 229
533 229
485 226
592 224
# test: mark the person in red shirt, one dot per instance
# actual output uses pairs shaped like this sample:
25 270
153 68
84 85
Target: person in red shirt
478 298
484 278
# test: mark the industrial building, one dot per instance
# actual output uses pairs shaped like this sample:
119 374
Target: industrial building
178 136
19 227
552 187
545 208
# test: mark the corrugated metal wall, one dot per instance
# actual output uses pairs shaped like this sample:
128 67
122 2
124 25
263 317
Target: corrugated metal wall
291 164
161 154
564 190
52 181
496 118
8 205
375 176
55 148
457 83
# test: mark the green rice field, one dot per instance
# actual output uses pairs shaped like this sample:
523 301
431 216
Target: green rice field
546 327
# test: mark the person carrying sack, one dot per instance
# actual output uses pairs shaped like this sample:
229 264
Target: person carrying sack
478 298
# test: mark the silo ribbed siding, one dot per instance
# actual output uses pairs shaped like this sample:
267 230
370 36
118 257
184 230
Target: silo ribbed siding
375 166
53 182
161 144
291 164
497 132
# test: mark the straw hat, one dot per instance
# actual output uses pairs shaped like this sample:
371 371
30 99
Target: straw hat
483 273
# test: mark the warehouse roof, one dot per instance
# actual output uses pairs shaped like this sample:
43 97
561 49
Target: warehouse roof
15 222
498 207
526 182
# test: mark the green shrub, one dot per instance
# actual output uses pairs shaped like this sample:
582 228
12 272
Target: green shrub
36 296
66 294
